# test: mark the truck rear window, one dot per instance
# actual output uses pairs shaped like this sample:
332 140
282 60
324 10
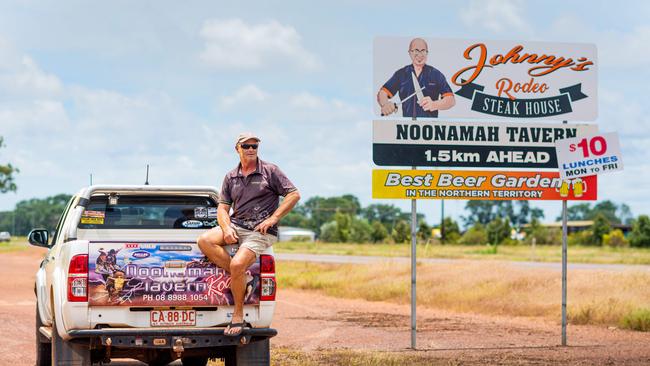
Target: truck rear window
149 212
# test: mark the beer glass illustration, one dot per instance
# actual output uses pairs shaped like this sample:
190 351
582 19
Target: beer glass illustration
564 188
579 187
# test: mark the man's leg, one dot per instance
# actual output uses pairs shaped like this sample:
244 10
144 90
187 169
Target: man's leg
211 244
243 259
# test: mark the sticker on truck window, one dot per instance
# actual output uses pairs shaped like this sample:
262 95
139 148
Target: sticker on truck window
93 217
212 212
192 224
154 275
200 213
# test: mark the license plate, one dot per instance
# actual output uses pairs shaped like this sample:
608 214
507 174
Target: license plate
171 318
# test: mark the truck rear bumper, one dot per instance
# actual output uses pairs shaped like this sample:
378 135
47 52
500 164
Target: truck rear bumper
164 338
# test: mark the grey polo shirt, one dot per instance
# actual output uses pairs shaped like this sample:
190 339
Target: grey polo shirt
255 197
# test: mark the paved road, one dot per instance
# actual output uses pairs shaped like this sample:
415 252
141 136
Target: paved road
358 259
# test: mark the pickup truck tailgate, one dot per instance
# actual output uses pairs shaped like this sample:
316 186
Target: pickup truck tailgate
160 274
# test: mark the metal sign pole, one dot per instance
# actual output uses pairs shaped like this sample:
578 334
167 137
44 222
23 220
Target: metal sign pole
564 269
564 266
414 216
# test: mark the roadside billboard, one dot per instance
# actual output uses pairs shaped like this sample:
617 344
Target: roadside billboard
480 185
470 144
485 79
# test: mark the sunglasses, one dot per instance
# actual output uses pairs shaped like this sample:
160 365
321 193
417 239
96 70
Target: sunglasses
249 146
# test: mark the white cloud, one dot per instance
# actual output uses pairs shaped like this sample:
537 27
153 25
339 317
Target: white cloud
21 78
235 44
494 15
246 94
625 49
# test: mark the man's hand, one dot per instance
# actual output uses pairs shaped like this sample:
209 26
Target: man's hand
230 236
428 104
266 224
388 108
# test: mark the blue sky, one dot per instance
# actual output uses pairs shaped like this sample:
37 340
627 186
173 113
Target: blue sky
108 87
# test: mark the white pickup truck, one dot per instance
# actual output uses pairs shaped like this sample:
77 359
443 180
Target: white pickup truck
124 278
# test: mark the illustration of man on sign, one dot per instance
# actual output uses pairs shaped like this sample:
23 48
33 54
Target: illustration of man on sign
422 89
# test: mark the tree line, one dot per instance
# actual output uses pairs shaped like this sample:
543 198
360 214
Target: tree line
344 219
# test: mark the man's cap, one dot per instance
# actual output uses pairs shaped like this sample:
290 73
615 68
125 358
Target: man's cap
246 136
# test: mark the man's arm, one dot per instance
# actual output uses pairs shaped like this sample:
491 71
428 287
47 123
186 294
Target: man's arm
285 207
431 105
223 216
387 107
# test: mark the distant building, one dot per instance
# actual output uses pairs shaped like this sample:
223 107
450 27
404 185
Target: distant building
288 233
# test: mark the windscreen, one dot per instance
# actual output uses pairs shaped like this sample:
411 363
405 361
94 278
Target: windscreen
149 212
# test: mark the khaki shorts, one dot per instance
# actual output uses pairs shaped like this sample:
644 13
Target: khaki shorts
254 240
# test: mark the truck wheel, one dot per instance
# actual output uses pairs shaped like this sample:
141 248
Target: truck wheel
194 361
253 354
68 353
43 345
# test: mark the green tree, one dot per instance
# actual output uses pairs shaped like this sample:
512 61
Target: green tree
329 232
7 173
401 232
475 235
498 230
40 213
614 213
344 225
599 228
360 231
388 215
295 219
615 239
640 235
451 231
577 212
321 210
424 231
541 234
379 232
486 211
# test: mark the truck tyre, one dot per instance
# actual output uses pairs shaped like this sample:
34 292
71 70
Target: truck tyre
194 361
68 353
43 345
253 354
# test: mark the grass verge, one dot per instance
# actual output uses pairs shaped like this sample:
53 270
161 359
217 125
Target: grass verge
541 253
16 244
292 357
595 297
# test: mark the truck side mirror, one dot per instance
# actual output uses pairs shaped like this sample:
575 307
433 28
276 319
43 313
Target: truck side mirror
39 238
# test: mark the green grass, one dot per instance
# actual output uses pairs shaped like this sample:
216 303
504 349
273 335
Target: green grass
17 243
638 319
609 298
541 253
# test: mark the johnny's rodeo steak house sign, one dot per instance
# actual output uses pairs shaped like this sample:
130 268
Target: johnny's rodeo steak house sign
503 79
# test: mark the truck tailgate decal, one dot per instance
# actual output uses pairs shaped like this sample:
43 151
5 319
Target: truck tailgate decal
160 274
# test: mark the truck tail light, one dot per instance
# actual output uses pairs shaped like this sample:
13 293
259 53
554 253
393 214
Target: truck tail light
267 271
78 278
267 264
268 289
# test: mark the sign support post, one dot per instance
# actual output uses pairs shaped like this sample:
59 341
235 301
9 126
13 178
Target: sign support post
413 271
564 269
564 265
